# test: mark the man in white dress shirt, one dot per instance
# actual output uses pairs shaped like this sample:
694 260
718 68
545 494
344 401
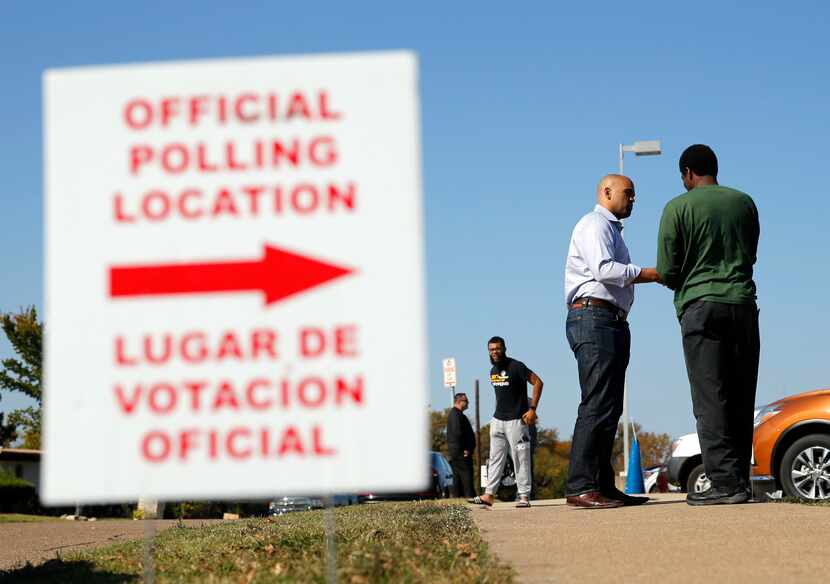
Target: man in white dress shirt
599 292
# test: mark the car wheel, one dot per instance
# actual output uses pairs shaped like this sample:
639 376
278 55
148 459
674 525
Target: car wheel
805 468
697 481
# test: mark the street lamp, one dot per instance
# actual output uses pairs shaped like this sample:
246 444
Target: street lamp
639 148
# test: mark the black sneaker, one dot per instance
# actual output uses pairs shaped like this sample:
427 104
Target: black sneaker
718 496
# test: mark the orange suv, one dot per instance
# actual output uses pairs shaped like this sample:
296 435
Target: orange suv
791 447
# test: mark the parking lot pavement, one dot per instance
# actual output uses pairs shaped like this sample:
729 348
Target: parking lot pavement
664 540
42 541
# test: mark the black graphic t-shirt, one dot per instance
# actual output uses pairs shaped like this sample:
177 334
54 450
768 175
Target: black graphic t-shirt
510 380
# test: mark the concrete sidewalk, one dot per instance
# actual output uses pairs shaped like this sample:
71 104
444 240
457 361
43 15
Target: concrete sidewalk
664 541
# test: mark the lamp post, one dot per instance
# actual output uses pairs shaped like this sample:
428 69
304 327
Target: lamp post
639 148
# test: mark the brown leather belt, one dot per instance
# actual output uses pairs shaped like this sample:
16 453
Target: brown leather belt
585 302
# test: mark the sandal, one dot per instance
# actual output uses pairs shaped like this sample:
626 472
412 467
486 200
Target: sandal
523 503
479 501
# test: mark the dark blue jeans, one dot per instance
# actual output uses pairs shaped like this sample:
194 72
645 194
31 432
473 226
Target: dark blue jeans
601 343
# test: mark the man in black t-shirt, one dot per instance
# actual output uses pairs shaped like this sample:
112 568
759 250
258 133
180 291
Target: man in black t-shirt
509 428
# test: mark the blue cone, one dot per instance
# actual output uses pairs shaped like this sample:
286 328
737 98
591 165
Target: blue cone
634 481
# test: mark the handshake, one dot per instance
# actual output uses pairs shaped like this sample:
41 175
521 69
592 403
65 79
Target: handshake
648 275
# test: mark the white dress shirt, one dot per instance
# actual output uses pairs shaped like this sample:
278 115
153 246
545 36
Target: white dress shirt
598 263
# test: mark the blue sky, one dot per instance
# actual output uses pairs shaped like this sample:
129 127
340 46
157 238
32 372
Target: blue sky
523 109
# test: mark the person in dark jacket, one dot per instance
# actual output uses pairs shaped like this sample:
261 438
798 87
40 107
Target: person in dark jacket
461 441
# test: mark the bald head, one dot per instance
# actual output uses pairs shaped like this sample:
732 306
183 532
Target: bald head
615 192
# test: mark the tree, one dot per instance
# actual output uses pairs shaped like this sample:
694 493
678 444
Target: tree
654 448
438 430
550 464
25 374
7 433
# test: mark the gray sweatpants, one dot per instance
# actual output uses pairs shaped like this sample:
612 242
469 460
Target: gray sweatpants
509 437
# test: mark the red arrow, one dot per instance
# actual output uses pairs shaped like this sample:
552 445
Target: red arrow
279 274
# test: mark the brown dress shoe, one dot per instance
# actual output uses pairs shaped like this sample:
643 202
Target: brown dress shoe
592 500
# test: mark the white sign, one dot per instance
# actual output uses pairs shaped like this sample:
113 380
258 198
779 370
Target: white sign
234 294
449 372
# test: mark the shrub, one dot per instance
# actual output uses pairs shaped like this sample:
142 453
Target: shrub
214 509
198 510
119 510
16 495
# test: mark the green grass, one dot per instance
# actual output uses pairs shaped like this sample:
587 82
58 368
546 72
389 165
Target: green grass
384 543
21 518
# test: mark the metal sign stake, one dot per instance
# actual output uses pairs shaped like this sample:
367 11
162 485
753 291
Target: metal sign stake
331 545
149 551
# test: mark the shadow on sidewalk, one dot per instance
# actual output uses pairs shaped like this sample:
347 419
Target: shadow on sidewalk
60 572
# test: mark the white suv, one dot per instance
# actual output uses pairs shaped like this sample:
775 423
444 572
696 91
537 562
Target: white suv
686 465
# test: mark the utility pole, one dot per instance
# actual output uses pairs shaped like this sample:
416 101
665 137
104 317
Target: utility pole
478 439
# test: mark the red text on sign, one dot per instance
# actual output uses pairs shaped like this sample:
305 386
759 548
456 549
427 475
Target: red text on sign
196 347
258 394
206 158
317 342
243 108
193 204
239 443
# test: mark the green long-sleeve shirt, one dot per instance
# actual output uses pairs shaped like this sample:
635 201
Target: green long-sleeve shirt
707 246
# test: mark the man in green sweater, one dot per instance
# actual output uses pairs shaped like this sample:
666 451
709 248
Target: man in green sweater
706 250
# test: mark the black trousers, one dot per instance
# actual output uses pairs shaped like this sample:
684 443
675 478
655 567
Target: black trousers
721 344
601 343
462 477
